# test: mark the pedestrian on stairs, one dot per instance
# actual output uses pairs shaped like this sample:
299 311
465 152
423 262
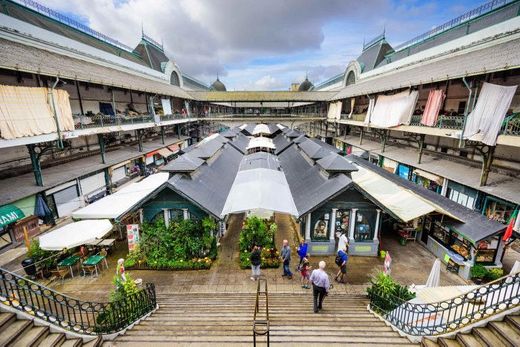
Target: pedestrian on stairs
286 258
255 258
320 286
341 261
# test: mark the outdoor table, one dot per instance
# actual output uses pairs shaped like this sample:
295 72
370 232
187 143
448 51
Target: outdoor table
94 260
69 261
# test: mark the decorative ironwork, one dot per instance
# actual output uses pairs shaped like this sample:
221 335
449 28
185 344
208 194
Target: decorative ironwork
35 6
83 317
261 325
450 315
477 12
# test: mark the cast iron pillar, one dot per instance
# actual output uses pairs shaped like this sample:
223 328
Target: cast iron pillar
361 137
162 135
421 147
108 182
36 167
139 134
101 141
488 154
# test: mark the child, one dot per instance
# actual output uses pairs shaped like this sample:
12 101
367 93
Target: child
304 271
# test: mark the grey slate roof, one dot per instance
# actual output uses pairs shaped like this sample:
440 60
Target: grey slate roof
313 150
476 226
336 163
210 185
372 56
326 146
240 142
208 149
300 139
183 163
309 187
230 133
503 56
293 133
281 143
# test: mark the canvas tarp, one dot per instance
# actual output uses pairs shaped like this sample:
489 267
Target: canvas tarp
334 110
260 190
485 121
432 108
28 111
116 205
75 234
166 106
393 110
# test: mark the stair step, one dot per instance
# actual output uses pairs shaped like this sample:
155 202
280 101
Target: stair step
33 336
447 342
13 331
514 321
53 339
94 343
506 333
488 337
72 343
428 343
6 318
469 340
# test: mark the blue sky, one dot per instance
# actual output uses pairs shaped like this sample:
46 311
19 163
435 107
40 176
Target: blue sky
263 45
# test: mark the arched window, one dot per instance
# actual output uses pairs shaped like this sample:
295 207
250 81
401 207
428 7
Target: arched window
351 78
174 79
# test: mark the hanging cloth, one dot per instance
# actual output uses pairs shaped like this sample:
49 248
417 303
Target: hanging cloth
485 121
352 104
393 110
433 107
371 103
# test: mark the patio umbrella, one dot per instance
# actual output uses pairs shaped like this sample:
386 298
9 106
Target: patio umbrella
516 268
435 275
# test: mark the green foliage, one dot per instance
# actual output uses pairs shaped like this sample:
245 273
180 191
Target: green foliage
123 288
179 246
37 254
494 274
270 258
385 294
256 232
478 271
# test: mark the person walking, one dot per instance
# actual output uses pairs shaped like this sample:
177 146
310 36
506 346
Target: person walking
302 252
286 258
255 258
320 286
341 261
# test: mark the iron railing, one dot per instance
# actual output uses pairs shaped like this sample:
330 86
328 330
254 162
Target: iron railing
83 317
87 122
447 316
511 125
261 324
477 12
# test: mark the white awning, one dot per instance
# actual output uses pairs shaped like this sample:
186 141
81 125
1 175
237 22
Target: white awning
261 129
401 202
261 142
75 234
260 190
119 203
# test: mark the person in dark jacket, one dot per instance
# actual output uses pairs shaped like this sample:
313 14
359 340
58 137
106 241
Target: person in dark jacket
256 260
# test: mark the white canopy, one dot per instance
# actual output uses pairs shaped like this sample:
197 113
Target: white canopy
434 279
261 142
260 190
261 129
403 203
75 234
119 203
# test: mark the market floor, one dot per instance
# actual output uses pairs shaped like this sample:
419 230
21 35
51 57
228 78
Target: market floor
411 264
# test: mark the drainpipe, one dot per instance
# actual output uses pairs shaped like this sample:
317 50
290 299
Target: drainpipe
466 110
51 94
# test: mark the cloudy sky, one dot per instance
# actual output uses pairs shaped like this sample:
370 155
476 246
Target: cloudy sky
262 44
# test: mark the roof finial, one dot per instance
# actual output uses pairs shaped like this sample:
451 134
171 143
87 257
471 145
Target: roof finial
142 29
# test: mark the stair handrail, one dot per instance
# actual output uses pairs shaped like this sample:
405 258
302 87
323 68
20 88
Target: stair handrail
76 315
446 316
261 326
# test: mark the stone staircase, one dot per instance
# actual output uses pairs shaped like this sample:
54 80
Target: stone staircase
226 319
23 332
505 333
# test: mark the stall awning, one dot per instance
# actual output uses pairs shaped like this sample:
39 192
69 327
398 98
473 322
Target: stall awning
260 190
429 176
261 142
399 201
10 214
116 205
75 234
165 153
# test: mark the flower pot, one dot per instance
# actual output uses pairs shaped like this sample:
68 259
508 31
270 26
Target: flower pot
402 241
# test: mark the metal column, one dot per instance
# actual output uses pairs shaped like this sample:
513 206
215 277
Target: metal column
101 141
35 162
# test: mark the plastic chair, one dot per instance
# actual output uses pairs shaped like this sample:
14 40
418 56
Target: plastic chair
60 272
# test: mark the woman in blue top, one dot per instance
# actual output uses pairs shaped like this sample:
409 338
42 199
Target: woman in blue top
302 252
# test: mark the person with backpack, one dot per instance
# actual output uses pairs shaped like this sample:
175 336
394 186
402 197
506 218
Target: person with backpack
341 262
256 260
302 252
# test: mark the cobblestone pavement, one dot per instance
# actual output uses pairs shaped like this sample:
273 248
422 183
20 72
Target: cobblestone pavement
411 264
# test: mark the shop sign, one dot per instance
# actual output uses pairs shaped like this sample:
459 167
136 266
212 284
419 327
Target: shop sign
132 233
10 214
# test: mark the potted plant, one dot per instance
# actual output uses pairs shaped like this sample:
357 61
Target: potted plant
478 273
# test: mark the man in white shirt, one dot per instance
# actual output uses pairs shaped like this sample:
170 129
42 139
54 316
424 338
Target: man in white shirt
320 286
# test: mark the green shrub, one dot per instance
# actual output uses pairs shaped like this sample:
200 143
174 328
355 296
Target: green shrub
259 232
37 254
385 294
478 271
270 259
494 274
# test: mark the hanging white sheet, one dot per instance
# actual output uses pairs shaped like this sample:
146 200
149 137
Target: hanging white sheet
166 106
394 110
371 104
335 110
485 121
